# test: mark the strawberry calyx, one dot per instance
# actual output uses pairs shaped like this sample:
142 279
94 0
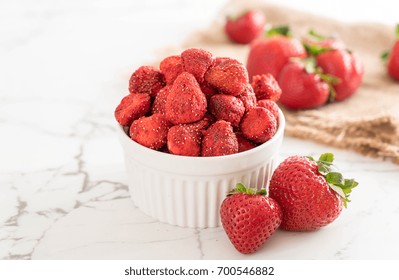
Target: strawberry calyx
283 30
241 188
312 68
384 55
343 187
317 36
315 49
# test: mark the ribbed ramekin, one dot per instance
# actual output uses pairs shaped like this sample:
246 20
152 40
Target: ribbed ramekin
188 191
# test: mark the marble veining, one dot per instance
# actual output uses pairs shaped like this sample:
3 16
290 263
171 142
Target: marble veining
63 192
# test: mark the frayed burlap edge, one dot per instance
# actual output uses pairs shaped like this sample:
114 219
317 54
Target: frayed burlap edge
375 137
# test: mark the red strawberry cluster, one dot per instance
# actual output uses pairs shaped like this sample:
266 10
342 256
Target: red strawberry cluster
196 104
310 72
304 195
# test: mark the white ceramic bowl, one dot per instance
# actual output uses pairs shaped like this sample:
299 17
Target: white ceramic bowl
188 191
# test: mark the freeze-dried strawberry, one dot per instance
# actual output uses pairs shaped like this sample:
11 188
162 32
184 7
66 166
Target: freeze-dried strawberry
171 67
269 105
207 89
158 106
243 143
248 98
184 140
132 106
146 79
227 107
219 140
258 125
228 76
150 131
196 62
186 103
204 123
266 87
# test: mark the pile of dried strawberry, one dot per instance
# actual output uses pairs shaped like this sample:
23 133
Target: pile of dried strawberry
196 104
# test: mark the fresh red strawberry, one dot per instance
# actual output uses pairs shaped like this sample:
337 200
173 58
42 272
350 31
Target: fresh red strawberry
229 76
171 67
311 193
301 87
266 87
246 27
249 218
186 103
146 79
219 140
132 106
344 65
271 54
269 105
333 59
150 131
197 62
392 58
227 107
258 125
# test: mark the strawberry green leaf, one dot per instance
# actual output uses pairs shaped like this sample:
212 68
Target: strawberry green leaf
338 190
314 49
333 94
343 187
278 30
310 64
397 31
329 79
241 188
316 35
323 168
250 191
327 157
349 184
335 178
262 192
384 56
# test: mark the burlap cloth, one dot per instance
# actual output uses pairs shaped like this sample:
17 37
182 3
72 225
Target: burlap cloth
368 122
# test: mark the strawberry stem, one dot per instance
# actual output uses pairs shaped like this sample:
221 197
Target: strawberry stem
335 179
316 35
241 188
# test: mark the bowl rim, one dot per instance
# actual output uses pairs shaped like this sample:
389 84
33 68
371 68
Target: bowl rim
212 159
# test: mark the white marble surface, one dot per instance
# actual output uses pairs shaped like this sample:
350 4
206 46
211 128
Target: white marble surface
64 66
